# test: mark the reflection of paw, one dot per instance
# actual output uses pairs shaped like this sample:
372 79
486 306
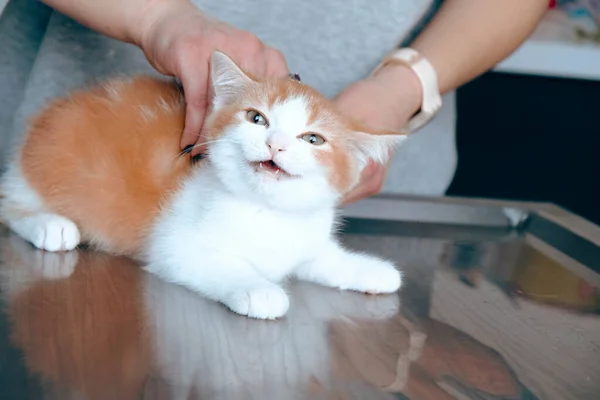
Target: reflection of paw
263 302
325 304
57 265
372 275
379 307
55 233
38 263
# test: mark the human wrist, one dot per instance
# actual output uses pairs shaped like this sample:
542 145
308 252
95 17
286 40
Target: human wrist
431 100
402 86
155 12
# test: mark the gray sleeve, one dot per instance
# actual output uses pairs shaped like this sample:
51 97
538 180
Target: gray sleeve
421 23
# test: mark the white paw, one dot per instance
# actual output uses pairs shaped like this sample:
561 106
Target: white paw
374 276
55 233
263 302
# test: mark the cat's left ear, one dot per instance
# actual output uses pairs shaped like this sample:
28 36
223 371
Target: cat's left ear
227 79
376 146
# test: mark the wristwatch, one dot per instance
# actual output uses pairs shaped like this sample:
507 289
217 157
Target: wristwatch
432 101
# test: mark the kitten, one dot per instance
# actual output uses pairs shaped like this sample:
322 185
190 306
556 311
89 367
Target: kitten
103 167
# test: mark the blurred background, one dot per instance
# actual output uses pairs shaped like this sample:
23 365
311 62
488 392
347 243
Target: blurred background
530 129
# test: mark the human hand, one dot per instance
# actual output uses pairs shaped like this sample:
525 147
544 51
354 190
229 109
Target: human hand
178 40
384 101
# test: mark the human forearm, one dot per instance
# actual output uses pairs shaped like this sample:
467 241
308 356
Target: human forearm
467 38
123 20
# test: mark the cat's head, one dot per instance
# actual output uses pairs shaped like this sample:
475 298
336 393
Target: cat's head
281 142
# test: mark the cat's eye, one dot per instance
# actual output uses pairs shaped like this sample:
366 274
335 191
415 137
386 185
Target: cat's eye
256 118
313 138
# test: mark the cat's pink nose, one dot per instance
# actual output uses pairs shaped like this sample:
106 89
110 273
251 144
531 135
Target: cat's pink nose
275 145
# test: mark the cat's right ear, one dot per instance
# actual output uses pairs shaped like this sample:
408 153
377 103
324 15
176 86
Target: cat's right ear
376 146
227 79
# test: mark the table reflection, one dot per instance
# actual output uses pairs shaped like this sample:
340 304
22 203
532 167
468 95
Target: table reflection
92 326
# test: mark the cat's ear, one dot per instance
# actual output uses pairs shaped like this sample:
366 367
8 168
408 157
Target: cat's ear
227 79
376 146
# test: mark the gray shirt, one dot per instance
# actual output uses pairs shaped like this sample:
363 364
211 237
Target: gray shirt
330 43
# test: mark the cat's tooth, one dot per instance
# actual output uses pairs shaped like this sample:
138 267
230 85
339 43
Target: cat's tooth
260 165
277 171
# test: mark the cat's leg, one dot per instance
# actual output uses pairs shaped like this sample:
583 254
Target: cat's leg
24 212
336 267
223 278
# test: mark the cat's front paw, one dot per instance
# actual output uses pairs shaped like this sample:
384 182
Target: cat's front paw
374 276
262 302
55 233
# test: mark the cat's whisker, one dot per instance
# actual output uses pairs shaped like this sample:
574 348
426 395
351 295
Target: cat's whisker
189 149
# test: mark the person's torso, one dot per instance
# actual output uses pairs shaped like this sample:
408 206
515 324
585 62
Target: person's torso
330 43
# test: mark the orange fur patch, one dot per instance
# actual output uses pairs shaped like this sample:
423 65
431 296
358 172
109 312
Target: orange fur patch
341 169
107 158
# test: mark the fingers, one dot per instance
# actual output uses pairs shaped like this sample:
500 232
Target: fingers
275 63
195 86
194 117
371 183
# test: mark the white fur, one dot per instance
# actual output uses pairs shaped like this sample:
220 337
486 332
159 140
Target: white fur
227 79
17 193
237 251
233 234
376 147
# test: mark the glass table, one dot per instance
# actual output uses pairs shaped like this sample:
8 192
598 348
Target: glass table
500 301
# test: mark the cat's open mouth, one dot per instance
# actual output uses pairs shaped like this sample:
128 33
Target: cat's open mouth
270 166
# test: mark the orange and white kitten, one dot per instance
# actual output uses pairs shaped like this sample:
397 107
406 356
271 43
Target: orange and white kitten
103 167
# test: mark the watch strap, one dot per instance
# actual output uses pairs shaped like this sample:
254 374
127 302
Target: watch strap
431 99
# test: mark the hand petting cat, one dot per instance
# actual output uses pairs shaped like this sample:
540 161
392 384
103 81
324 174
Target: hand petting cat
178 40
